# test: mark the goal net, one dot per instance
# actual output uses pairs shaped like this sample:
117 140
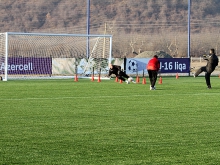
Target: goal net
43 55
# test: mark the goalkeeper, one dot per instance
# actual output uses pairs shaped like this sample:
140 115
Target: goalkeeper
212 62
115 69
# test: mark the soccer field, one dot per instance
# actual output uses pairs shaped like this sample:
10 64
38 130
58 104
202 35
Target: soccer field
91 123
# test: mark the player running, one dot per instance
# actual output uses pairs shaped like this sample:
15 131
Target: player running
153 67
115 69
212 62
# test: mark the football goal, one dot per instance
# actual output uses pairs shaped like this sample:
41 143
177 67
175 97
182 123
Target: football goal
46 55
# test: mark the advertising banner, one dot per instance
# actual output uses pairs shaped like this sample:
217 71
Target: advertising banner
167 65
28 65
174 65
63 66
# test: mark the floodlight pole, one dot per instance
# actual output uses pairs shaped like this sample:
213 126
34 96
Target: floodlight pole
88 27
189 13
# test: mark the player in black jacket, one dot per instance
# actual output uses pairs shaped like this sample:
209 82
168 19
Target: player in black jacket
212 62
115 69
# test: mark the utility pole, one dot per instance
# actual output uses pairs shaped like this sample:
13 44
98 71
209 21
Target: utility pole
189 12
88 26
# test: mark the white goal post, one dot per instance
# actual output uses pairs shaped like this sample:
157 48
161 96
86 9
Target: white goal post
47 55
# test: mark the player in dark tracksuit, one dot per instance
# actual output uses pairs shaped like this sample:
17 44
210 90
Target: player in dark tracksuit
115 69
212 62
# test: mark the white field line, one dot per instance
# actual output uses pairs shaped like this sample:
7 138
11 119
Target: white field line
122 96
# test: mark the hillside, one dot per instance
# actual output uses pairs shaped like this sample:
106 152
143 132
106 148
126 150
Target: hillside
127 20
33 15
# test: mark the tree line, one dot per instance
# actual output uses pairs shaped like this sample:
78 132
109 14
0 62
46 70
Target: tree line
136 26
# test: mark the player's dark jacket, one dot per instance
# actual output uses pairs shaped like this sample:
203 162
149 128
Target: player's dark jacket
212 62
115 70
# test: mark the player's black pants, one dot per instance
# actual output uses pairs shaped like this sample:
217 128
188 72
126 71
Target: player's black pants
207 75
153 77
121 76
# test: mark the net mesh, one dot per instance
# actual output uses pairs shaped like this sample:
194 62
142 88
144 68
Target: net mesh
37 56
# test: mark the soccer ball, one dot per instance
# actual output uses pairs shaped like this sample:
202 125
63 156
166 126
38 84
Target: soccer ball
130 79
132 65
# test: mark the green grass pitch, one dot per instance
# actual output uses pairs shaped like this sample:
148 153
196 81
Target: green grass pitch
91 123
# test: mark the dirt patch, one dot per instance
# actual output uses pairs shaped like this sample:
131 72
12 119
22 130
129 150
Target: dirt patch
196 65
